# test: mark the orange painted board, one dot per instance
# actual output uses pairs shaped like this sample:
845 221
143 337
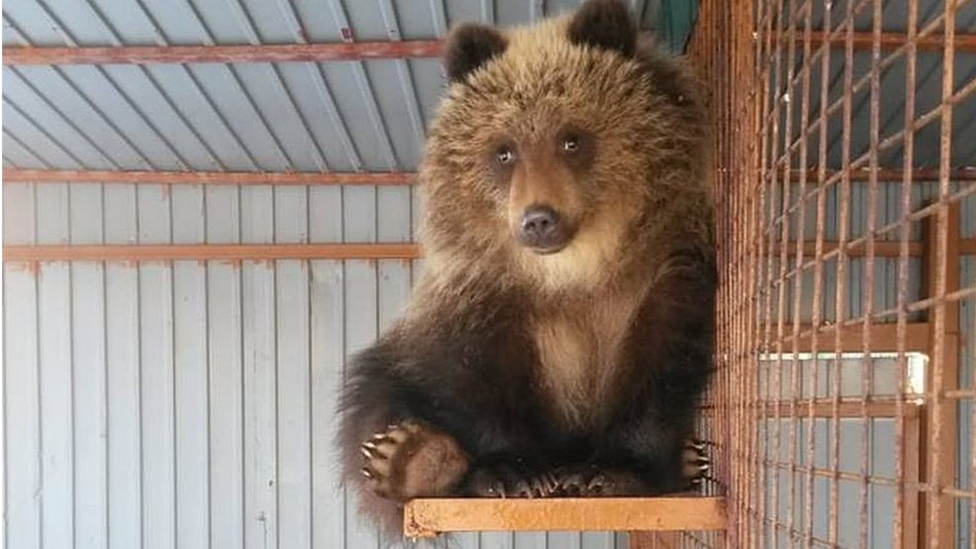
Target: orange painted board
429 517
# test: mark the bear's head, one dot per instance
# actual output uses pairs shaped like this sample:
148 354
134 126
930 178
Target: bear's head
558 147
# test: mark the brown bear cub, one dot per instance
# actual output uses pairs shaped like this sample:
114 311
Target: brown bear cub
562 333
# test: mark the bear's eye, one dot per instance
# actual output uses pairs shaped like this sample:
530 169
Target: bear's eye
570 144
505 155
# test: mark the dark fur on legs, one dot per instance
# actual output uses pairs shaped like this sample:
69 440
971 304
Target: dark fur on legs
462 384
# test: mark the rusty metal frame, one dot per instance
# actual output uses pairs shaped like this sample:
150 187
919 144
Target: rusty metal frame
889 40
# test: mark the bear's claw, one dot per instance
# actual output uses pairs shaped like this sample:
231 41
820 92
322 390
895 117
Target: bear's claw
694 462
592 481
510 480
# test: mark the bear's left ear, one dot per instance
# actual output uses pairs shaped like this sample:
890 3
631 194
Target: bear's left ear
604 24
470 46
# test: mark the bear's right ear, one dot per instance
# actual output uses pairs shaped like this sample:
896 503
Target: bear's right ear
470 46
604 24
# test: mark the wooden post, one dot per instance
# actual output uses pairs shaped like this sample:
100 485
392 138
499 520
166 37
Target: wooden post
944 416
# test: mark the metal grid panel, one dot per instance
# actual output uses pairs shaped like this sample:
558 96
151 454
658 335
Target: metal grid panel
842 412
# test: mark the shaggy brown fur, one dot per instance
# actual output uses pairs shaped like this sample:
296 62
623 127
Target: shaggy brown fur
566 363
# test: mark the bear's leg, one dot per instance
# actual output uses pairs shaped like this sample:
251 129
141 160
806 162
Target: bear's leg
412 459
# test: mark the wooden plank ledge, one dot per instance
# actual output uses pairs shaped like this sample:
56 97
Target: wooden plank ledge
430 517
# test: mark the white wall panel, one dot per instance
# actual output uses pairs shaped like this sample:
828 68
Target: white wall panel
22 408
226 400
124 406
157 406
294 405
57 441
327 358
260 392
90 405
191 405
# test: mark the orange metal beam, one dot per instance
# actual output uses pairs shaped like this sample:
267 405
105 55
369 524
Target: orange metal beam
824 408
882 248
205 252
429 517
883 338
889 40
894 175
11 175
265 53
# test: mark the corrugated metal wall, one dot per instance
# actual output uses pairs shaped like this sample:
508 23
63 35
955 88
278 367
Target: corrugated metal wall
188 404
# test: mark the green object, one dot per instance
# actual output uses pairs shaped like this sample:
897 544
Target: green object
675 19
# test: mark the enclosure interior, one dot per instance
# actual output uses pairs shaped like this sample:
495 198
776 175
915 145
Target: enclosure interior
193 244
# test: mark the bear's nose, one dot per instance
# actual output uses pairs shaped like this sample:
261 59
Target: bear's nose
541 228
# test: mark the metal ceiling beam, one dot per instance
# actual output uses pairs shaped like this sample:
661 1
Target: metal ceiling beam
354 51
18 175
265 53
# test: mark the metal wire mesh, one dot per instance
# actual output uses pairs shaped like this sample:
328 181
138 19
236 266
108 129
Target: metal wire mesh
842 410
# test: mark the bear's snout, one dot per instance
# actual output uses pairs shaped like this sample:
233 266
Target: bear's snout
543 230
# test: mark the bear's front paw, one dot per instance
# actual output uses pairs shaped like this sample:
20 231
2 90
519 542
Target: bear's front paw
593 481
410 460
509 480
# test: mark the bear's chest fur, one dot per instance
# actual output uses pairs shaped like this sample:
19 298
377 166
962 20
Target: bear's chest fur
581 347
